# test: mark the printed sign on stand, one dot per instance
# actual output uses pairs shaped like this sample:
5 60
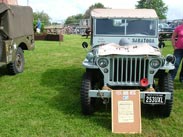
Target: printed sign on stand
126 111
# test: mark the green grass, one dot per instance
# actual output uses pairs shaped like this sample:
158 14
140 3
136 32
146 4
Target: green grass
44 100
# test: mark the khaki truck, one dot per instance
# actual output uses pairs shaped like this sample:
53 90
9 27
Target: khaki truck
16 35
125 55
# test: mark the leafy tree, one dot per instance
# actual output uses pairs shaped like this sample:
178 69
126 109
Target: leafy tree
42 16
73 19
87 13
158 5
76 18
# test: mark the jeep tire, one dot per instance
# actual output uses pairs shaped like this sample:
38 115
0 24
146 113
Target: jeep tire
1 48
17 66
165 84
87 103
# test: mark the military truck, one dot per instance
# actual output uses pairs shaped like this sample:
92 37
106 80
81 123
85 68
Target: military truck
125 55
16 35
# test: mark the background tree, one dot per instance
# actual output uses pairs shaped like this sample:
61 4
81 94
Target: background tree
73 19
158 5
76 18
87 12
45 19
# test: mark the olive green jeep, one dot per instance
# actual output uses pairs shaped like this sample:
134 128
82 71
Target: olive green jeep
16 35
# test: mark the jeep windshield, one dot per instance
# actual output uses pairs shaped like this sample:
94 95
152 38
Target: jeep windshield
126 27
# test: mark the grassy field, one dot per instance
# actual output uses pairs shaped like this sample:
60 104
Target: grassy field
44 100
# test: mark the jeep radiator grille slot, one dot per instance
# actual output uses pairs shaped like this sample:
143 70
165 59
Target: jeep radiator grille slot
130 70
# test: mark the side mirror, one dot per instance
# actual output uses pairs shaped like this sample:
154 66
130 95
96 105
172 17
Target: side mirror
170 58
85 45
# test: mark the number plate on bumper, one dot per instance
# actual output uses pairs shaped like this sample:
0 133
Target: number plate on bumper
154 99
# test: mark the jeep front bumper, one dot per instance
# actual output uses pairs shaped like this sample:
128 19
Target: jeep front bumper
143 94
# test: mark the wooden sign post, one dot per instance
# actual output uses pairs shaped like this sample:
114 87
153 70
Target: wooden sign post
126 111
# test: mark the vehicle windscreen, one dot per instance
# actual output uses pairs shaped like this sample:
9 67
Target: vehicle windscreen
127 27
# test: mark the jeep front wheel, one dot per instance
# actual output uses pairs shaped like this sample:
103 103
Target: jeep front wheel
1 47
17 66
87 103
165 84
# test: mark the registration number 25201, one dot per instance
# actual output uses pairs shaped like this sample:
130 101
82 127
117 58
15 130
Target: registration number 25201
154 99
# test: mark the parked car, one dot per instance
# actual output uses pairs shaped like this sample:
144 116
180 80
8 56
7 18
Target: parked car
164 27
165 32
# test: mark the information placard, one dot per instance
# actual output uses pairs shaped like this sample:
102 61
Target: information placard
126 111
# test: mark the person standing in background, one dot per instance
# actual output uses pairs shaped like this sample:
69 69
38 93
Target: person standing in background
87 31
38 26
177 43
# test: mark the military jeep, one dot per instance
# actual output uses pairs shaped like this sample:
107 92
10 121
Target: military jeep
16 35
125 55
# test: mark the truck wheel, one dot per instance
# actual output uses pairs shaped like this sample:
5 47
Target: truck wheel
1 47
17 66
165 84
87 103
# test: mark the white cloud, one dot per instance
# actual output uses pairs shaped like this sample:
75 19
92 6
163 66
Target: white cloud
61 9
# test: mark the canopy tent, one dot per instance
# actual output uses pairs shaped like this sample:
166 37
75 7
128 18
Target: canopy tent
12 2
16 21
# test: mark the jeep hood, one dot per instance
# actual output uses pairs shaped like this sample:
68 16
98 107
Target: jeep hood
135 49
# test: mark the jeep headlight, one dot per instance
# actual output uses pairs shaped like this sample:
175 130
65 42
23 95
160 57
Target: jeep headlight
155 63
103 62
90 56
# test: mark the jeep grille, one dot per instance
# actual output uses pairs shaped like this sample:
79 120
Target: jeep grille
127 70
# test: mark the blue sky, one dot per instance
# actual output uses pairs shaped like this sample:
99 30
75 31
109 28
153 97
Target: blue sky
59 10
